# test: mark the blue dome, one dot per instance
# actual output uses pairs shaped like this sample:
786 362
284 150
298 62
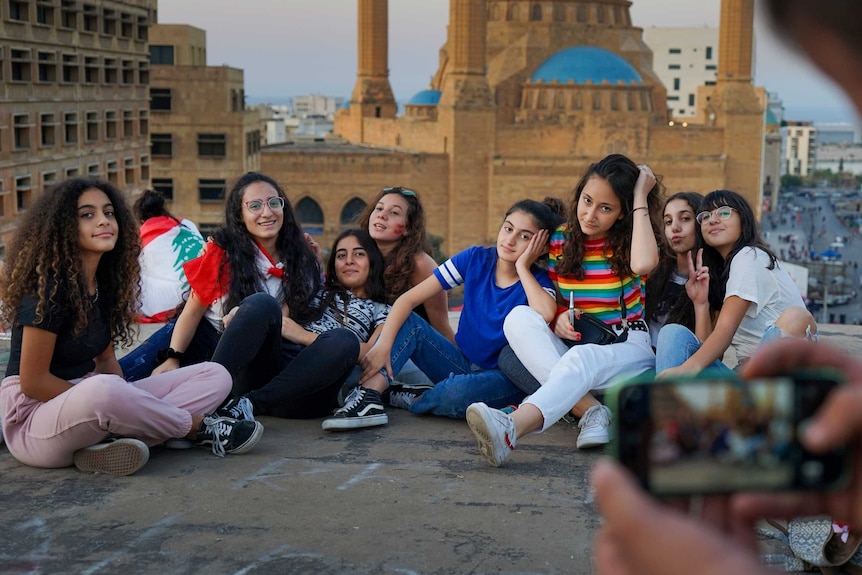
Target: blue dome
425 98
586 63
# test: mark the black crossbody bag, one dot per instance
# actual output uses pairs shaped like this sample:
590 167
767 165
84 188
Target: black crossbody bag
594 330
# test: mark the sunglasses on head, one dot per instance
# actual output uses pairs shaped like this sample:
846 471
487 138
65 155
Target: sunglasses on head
402 191
721 213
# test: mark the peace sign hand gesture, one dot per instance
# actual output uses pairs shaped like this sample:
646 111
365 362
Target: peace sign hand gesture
697 286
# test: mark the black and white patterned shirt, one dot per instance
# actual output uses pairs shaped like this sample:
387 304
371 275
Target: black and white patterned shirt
362 318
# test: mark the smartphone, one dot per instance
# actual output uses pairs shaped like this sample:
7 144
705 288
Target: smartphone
717 434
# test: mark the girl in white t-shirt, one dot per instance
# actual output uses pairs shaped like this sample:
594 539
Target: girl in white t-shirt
738 274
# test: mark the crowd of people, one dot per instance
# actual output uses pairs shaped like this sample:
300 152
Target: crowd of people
261 324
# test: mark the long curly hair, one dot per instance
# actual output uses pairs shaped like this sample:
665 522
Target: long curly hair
719 268
44 258
622 174
401 261
680 309
301 269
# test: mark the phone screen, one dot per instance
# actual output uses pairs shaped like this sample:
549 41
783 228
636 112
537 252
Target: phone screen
722 435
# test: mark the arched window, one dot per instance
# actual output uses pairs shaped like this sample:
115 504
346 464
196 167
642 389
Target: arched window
310 216
582 13
579 100
536 15
495 12
600 14
513 12
560 100
597 101
615 101
543 100
351 209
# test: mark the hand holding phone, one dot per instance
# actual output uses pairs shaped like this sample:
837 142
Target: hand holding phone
704 434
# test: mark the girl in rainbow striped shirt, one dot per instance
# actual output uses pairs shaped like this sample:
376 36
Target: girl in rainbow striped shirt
605 250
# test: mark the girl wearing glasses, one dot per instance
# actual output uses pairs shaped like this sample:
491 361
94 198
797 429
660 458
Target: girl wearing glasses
597 260
69 290
738 275
260 249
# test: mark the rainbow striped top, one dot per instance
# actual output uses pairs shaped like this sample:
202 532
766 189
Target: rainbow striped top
599 292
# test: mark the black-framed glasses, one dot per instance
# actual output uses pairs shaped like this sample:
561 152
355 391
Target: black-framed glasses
275 203
721 213
402 191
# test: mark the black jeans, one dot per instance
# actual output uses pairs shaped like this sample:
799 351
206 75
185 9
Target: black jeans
282 378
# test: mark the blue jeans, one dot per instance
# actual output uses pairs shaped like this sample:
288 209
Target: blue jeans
676 344
458 382
141 361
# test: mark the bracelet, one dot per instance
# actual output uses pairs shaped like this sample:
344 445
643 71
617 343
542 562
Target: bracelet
169 353
640 208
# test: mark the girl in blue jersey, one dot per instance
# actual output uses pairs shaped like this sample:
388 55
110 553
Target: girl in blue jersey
495 280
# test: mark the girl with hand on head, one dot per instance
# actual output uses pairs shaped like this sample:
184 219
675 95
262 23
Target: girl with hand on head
279 368
70 288
665 302
598 259
257 272
495 280
755 298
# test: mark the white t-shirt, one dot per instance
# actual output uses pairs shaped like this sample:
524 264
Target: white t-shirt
769 292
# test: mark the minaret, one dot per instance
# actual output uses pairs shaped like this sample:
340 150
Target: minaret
372 95
466 117
738 106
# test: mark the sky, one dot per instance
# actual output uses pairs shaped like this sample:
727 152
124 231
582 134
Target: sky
296 47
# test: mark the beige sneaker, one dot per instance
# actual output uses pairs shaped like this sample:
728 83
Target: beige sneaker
122 456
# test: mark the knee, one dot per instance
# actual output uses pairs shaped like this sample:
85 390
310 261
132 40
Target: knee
342 342
219 378
672 335
103 391
518 319
260 305
797 321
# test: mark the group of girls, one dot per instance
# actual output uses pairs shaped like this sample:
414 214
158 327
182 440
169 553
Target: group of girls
264 332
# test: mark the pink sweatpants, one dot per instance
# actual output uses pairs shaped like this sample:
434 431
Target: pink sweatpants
46 434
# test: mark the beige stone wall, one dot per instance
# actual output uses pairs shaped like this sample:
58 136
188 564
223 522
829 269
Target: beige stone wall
190 43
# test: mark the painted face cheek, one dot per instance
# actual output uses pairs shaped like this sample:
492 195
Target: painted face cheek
398 229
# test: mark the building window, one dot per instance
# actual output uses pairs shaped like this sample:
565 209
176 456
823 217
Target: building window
129 171
162 55
581 14
676 83
160 99
349 213
162 145
93 170
23 191
600 14
165 186
597 101
113 170
91 18
536 14
92 119
70 68
128 124
47 67
709 52
72 173
48 179
109 22
143 29
127 25
673 67
48 130
711 67
21 65
21 131
69 14
19 10
211 190
145 168
212 145
70 128
615 101
674 51
144 124
128 72
91 69
143 73
311 216
673 98
691 99
110 70
110 124
3 195
45 12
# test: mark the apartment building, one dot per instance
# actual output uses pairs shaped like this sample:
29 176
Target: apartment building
799 142
74 96
203 136
684 59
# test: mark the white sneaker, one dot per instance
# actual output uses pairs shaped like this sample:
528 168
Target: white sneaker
121 456
494 431
595 427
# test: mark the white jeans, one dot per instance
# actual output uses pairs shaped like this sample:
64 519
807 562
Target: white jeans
568 374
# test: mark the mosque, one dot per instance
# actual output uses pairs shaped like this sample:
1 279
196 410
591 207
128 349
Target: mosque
526 96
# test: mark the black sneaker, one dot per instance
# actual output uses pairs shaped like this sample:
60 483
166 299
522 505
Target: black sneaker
362 408
402 395
239 408
228 435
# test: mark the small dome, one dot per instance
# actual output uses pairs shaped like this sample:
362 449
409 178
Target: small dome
425 98
581 64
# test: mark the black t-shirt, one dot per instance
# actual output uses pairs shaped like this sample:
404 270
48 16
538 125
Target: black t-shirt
73 354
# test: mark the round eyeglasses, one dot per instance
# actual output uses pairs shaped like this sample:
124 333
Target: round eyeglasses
275 203
721 213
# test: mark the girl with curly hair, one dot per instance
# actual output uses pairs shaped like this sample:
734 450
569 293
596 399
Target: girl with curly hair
739 278
69 290
259 273
598 261
351 304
